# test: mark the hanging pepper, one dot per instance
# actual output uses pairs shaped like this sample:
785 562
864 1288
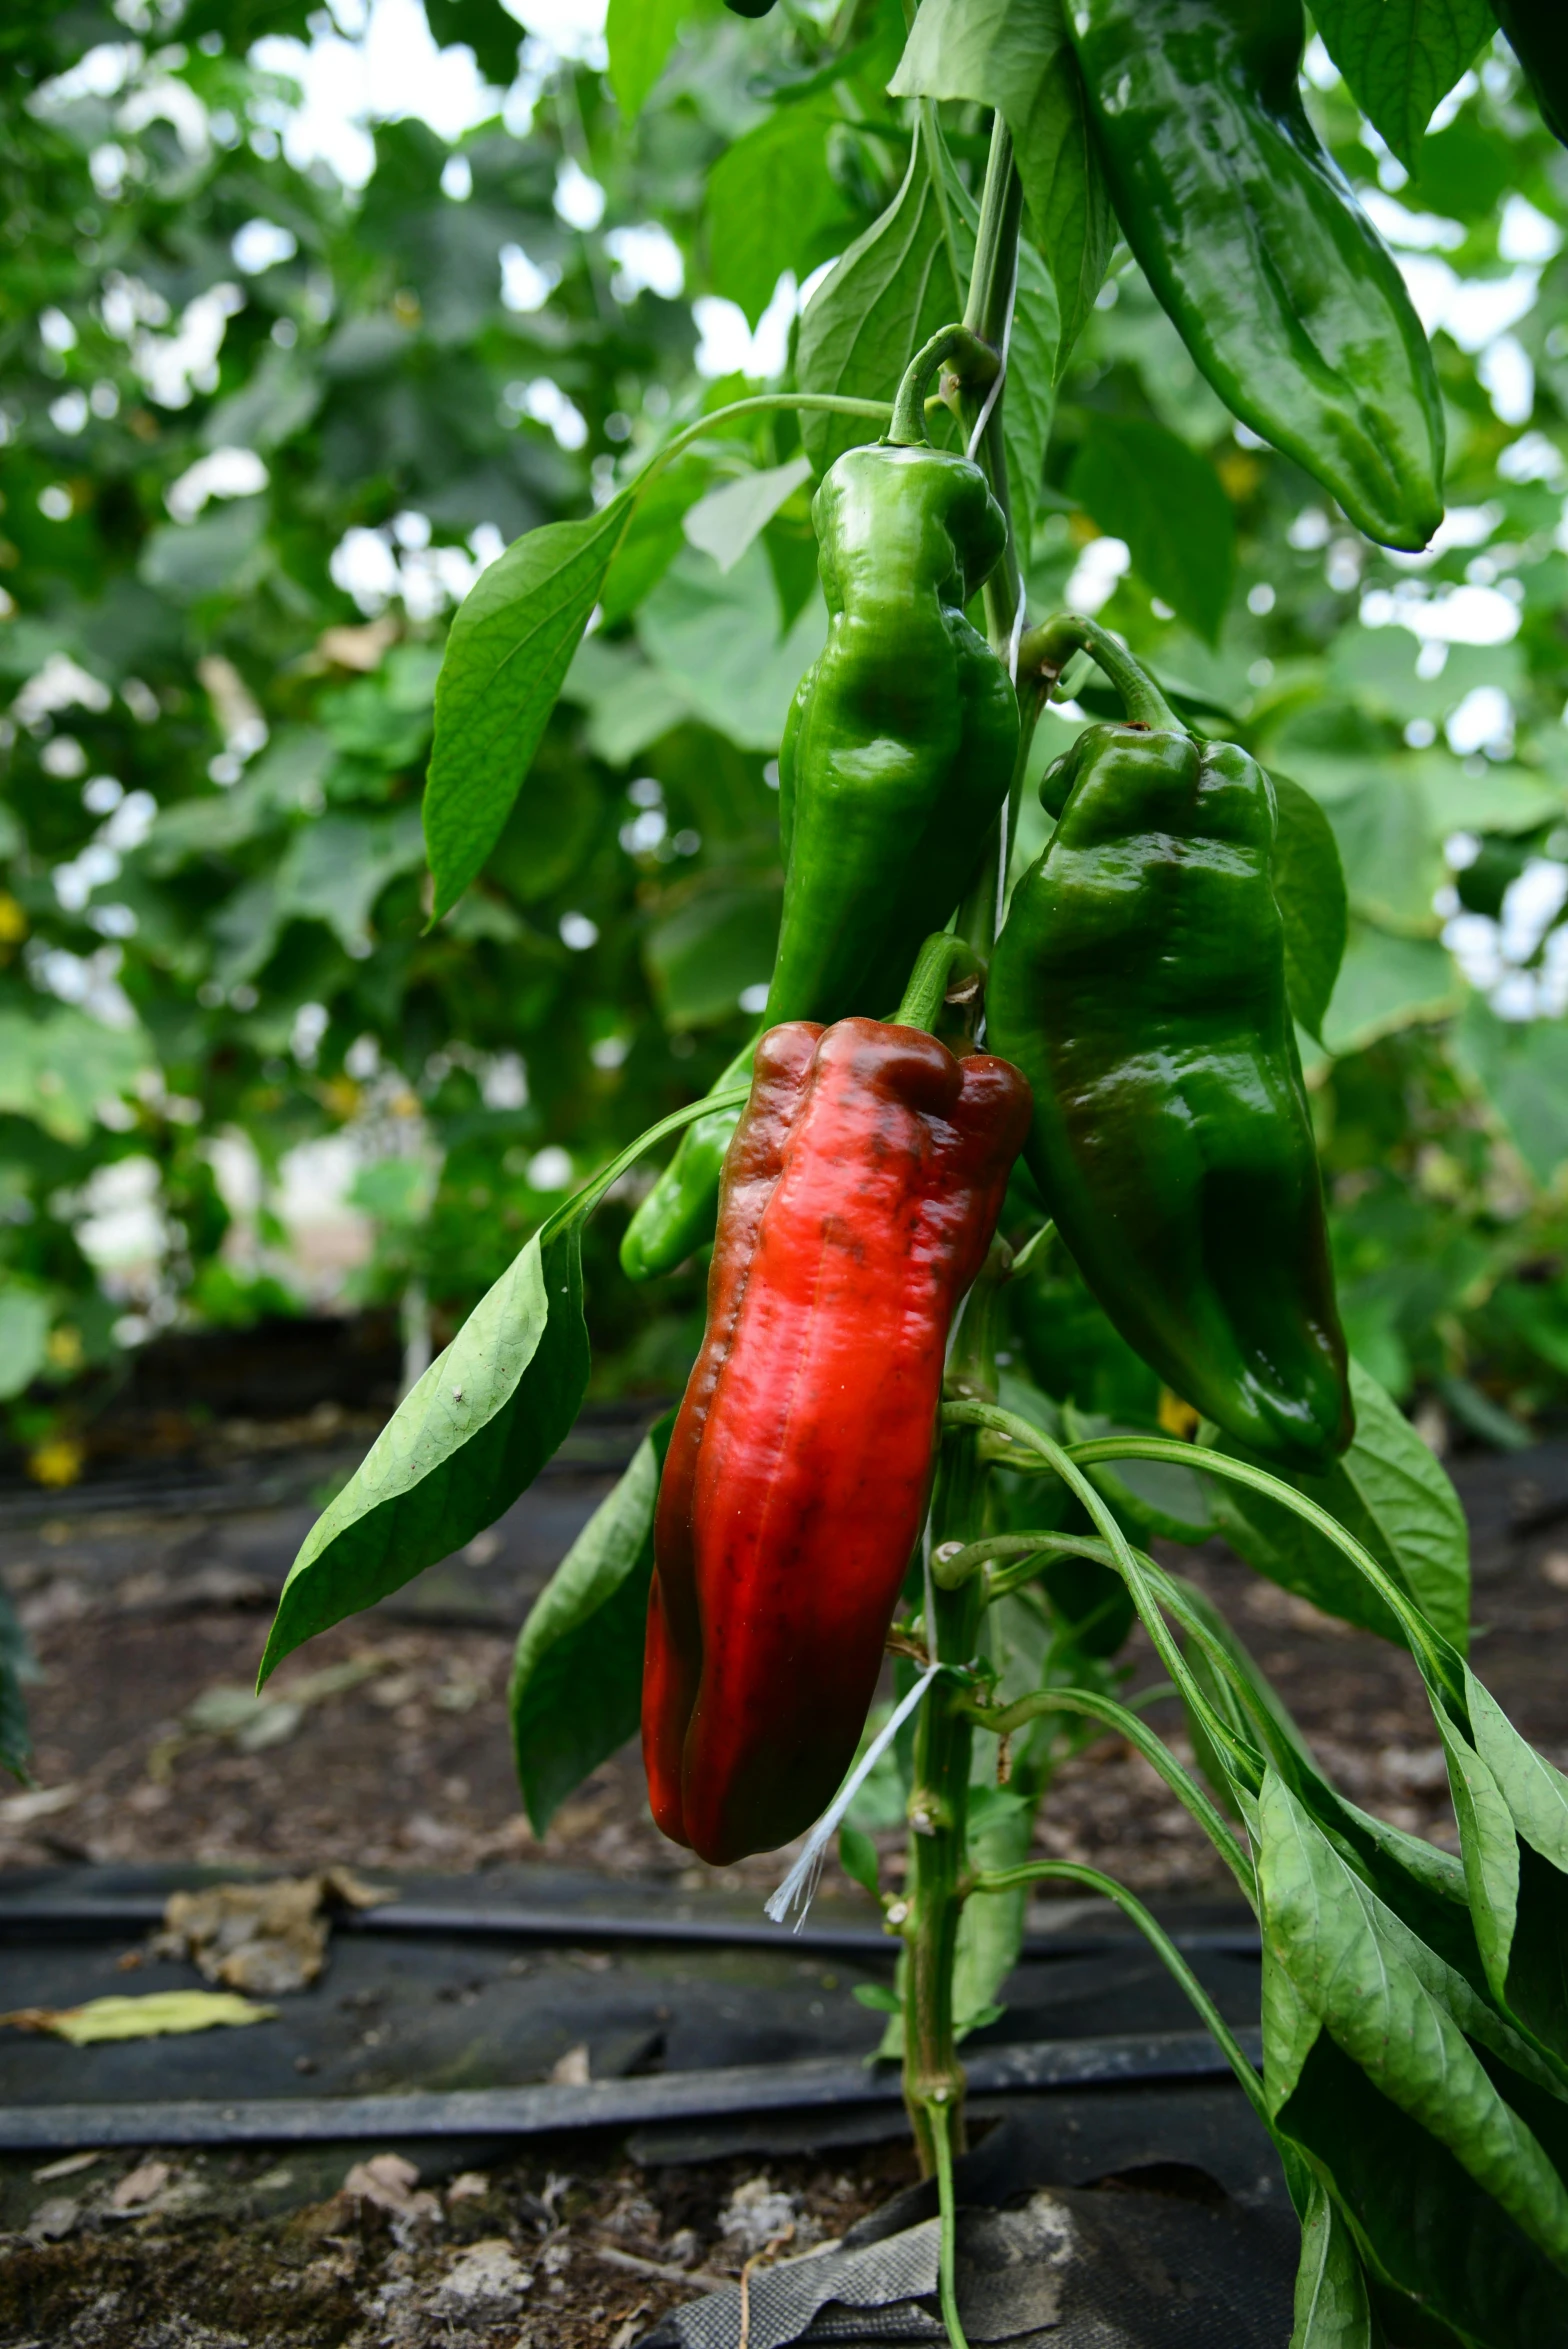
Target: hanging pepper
897 754
1139 983
1254 244
858 1201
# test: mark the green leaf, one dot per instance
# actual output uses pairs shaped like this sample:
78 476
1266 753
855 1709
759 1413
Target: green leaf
25 1318
878 1997
1522 1068
772 205
510 647
991 1931
898 283
704 955
1391 855
640 35
472 1435
1015 56
55 1070
1386 984
724 523
1401 58
715 638
1309 889
1145 486
222 553
1389 1492
1332 2310
857 1856
1339 1961
484 26
575 1695
1512 1808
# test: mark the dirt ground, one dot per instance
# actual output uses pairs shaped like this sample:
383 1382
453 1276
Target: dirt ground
579 2250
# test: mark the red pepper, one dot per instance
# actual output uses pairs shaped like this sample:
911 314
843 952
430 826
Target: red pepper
859 1199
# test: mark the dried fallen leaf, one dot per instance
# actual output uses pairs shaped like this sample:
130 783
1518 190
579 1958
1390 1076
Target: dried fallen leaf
140 2185
264 1938
66 2167
160 2014
391 2183
571 2069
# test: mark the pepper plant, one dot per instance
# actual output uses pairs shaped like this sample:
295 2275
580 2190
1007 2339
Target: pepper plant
1143 961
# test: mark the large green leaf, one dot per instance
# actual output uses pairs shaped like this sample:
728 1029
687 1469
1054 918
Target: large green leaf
1391 854
1386 984
1512 1808
1522 1068
715 638
576 1688
1402 57
1393 1495
1142 484
1015 56
1368 2068
773 205
507 656
640 35
472 1435
1309 889
898 283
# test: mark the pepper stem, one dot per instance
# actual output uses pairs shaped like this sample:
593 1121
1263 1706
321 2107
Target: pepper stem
1044 652
955 347
931 980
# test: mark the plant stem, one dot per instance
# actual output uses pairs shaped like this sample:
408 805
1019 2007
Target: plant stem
939 1798
1044 652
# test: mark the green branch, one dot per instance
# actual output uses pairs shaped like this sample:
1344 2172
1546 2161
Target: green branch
1003 1720
1070 1872
1422 1638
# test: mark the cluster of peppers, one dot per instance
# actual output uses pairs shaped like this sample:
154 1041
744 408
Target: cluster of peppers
1142 1051
1148 1071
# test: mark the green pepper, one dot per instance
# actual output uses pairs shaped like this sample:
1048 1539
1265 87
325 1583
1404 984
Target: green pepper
1537 32
1139 983
1256 247
896 760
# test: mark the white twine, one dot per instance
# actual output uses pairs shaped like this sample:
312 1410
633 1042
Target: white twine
800 1885
995 392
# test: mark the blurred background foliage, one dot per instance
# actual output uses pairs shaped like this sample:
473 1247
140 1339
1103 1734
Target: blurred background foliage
272 398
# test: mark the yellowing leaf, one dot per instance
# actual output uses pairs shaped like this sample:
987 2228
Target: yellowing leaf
157 2015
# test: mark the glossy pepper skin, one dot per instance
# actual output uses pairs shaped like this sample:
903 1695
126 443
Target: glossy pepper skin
859 1199
1139 983
1256 247
1537 33
897 754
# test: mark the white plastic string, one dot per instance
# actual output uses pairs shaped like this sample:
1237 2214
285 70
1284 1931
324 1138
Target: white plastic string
995 392
800 1885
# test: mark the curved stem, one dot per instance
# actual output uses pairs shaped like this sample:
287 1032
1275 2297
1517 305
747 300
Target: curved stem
1153 1749
583 1202
956 346
1046 650
1070 1872
1419 1632
931 978
1244 1759
957 1565
758 404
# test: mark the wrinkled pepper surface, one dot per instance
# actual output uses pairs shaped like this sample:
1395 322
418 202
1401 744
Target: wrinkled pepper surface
897 755
1139 983
1254 244
858 1201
